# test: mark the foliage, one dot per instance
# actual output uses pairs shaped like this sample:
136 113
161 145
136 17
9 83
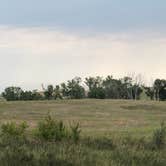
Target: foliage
73 89
98 87
12 93
160 89
49 92
118 151
75 132
57 93
95 85
115 151
159 136
13 130
51 130
30 95
149 92
16 93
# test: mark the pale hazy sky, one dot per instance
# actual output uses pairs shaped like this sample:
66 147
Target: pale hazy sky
51 41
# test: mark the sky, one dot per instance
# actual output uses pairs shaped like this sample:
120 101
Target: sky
51 41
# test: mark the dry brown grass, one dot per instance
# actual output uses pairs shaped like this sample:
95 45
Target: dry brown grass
95 116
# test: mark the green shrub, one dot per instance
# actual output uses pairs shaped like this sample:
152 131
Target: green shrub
13 130
51 130
75 132
105 151
159 136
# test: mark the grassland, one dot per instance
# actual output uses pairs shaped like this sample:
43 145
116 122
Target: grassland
97 117
114 133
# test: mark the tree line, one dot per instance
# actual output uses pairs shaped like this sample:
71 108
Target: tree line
129 87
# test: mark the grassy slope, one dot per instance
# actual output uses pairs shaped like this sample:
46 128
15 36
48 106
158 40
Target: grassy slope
97 117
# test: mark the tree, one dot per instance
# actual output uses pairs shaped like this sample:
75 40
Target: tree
137 84
36 95
74 89
114 88
149 91
137 90
160 89
64 90
57 92
97 93
96 89
12 93
49 92
127 87
27 95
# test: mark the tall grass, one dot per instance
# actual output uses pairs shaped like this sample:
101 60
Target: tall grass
159 136
54 143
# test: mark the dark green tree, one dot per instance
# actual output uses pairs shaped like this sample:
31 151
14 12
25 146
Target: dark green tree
160 89
49 92
96 89
12 93
57 92
113 88
74 89
64 90
26 95
149 91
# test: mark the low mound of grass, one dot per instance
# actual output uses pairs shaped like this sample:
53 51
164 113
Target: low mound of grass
141 107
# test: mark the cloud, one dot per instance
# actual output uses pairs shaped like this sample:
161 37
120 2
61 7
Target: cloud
31 56
93 15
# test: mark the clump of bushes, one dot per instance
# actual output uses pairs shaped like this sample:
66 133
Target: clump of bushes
13 129
13 135
52 130
48 129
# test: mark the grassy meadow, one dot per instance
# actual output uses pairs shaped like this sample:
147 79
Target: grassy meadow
97 117
113 133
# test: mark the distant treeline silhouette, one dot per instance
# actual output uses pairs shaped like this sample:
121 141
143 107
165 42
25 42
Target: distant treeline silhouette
129 87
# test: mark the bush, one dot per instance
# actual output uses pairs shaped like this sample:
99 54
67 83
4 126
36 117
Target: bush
13 130
51 130
75 132
159 136
118 151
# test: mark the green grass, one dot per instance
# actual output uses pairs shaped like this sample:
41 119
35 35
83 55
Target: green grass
97 117
114 133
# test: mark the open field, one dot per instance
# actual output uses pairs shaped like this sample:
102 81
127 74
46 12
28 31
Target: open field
114 133
97 117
